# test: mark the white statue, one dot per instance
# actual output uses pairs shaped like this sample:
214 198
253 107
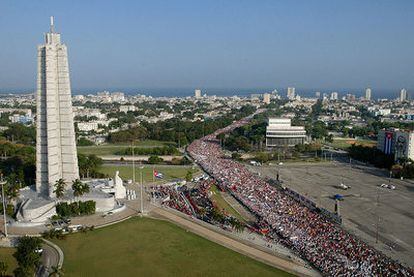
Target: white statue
120 190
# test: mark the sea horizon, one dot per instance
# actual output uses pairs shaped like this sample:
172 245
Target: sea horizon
244 92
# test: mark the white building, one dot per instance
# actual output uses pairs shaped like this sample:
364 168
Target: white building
403 95
56 156
334 95
280 132
118 97
127 108
88 126
318 94
197 93
266 98
398 142
368 94
291 93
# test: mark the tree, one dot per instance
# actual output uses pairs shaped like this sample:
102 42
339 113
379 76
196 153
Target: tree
155 159
12 186
26 255
84 142
59 188
189 176
3 268
79 188
89 165
236 156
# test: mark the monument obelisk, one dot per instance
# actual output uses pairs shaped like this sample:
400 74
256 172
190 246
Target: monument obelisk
56 155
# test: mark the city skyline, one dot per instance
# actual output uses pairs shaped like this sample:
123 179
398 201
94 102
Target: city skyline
233 44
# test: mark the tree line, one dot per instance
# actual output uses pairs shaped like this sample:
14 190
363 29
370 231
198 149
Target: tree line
178 130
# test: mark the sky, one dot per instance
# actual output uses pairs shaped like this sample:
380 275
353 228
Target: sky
214 44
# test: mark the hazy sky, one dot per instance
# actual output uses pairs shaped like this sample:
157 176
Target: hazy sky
221 44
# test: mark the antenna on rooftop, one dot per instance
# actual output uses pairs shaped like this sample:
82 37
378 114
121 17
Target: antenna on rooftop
52 27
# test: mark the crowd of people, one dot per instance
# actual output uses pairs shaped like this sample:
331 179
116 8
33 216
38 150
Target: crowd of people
196 202
324 244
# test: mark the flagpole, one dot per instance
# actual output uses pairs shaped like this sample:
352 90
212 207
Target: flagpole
133 162
153 173
142 187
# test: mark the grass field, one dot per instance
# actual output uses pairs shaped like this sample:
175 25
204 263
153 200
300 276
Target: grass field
346 143
6 255
149 247
222 204
111 149
169 172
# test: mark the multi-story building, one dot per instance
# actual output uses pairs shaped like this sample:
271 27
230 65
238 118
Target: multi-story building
197 93
266 98
399 143
291 93
334 95
127 108
368 94
88 126
118 97
403 95
280 132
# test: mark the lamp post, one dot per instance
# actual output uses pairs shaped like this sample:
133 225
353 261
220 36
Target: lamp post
133 162
4 206
142 187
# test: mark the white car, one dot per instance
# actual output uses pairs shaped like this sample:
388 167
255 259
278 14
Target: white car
343 186
387 186
39 250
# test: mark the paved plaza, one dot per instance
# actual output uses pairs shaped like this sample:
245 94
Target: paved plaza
394 213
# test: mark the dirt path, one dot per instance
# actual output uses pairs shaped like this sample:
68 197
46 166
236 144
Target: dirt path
237 246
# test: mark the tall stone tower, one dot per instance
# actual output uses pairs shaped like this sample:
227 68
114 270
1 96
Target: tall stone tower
56 155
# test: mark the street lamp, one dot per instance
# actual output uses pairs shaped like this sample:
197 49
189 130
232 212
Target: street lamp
142 187
4 206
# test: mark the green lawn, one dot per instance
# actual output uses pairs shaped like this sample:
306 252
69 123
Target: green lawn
111 149
149 247
222 203
169 172
6 255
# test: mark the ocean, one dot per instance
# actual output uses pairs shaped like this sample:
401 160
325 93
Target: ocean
184 92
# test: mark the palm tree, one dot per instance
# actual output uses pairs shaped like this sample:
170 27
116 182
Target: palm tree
56 271
60 188
79 188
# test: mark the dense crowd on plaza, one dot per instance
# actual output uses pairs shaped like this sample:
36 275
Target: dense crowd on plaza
196 202
326 245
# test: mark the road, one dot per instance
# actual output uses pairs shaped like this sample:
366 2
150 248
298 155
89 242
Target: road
50 257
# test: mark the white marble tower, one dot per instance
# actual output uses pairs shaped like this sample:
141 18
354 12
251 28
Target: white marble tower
56 155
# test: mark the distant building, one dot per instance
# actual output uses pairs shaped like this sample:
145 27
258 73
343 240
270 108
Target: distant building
280 132
403 95
368 94
318 94
87 126
396 142
334 95
118 97
197 93
291 93
266 98
127 108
